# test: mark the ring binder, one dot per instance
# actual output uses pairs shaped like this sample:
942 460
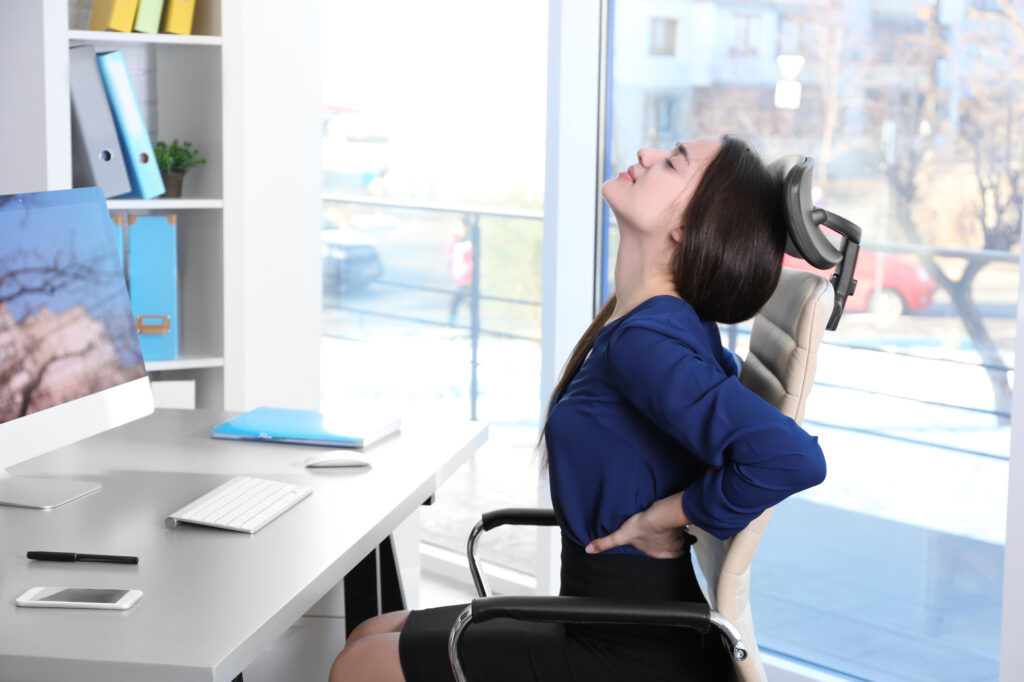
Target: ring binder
96 150
178 16
147 18
131 129
116 15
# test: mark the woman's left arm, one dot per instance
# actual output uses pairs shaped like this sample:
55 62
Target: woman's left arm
758 455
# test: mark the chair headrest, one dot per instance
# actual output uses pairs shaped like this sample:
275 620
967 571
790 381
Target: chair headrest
804 237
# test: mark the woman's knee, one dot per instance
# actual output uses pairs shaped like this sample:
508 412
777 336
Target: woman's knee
393 621
372 658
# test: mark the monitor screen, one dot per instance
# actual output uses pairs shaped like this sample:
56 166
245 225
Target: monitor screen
67 332
66 328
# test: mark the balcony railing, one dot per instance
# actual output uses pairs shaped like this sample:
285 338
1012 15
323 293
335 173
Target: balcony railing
474 214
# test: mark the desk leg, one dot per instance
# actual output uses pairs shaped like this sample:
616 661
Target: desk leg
373 586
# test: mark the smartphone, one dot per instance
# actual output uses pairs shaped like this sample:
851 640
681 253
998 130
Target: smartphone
79 598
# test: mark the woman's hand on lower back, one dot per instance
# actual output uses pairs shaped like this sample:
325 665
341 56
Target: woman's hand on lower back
657 531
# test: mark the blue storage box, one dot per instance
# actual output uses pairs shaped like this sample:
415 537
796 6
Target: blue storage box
153 283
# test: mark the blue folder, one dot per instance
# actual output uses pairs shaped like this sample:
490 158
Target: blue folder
309 427
136 146
153 283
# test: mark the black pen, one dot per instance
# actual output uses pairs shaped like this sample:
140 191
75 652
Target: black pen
83 558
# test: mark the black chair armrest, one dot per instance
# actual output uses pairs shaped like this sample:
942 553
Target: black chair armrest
594 611
502 517
518 517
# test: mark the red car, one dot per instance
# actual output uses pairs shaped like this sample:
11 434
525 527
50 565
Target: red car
887 284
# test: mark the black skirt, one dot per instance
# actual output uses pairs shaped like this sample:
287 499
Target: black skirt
505 650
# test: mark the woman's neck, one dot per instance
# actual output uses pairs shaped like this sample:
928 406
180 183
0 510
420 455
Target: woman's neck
642 271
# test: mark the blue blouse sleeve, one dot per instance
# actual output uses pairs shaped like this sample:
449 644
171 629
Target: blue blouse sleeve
760 455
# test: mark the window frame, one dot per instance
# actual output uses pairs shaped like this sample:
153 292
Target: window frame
576 29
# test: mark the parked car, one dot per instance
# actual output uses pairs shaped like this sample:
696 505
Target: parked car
351 261
887 284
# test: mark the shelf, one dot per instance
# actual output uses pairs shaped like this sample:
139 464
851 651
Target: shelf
184 362
117 38
163 204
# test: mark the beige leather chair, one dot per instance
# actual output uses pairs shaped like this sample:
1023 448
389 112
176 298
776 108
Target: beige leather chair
779 367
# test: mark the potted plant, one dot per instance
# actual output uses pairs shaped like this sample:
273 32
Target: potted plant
174 160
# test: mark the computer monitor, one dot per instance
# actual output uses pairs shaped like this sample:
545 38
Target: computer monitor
70 361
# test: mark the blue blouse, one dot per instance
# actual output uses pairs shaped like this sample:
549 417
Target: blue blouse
655 404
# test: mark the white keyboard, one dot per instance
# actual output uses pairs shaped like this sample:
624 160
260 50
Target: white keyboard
244 504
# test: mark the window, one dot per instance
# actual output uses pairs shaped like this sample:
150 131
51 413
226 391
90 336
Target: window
432 231
663 36
792 30
661 117
746 35
892 569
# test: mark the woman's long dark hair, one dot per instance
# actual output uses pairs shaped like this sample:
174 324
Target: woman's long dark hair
729 258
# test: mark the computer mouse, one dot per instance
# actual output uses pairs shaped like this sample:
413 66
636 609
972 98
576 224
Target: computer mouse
335 460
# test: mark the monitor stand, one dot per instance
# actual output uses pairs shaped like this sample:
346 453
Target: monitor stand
41 493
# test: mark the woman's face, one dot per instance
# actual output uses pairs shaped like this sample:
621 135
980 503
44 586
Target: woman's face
652 194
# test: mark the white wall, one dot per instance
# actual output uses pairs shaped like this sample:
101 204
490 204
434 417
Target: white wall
272 202
34 161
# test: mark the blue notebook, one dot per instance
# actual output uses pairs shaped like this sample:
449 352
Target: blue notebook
308 427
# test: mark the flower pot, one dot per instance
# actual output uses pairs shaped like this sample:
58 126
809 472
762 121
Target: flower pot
172 183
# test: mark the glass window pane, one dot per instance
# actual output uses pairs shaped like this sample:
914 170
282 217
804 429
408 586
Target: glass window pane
892 569
433 152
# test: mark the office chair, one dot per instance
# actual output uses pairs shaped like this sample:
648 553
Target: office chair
779 367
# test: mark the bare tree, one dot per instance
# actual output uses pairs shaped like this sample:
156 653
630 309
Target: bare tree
918 138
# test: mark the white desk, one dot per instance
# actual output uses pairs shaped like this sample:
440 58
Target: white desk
213 599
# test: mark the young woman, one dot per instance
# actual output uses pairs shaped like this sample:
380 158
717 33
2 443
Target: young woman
648 430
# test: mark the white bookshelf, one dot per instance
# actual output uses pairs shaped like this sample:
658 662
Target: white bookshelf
248 230
178 81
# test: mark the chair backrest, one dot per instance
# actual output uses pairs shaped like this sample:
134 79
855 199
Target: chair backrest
780 368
